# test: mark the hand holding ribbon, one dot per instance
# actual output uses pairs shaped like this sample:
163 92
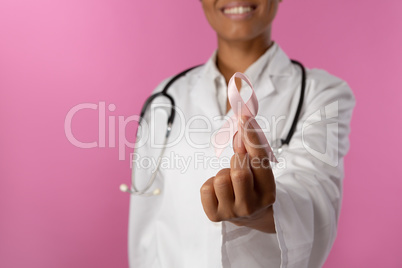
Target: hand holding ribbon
244 193
243 110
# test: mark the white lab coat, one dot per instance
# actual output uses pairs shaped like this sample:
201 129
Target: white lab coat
172 230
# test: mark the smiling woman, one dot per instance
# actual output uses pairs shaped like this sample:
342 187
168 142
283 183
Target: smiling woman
89 65
245 212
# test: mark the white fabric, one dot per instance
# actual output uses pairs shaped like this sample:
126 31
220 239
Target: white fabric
172 230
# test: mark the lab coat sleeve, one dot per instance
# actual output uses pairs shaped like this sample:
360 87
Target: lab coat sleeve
309 187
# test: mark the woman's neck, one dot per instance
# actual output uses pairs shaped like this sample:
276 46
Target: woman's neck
238 56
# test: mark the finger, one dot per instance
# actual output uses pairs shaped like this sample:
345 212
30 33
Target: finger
242 180
258 154
224 193
208 199
250 136
238 145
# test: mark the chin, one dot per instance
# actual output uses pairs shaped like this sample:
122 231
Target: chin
240 35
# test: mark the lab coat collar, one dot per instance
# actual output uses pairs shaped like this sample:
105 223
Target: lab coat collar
274 61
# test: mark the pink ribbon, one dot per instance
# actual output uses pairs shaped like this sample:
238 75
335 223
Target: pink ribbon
248 109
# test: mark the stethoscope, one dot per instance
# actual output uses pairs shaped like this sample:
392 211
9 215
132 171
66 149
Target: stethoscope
164 93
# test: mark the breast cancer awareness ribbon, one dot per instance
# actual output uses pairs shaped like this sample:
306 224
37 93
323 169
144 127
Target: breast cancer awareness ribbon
248 109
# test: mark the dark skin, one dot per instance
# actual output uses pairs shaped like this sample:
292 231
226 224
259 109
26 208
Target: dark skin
244 193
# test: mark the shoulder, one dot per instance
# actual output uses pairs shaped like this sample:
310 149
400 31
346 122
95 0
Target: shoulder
323 88
320 81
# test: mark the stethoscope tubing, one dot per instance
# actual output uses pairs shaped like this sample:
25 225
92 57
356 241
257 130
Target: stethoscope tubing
144 192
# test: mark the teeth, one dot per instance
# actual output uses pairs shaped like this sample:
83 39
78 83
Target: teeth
237 10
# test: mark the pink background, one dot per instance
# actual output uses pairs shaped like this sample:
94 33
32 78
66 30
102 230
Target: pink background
60 205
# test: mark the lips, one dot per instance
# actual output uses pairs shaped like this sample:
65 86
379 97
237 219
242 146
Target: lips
238 10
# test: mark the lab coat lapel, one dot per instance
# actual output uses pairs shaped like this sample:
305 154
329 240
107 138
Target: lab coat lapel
263 87
204 97
266 71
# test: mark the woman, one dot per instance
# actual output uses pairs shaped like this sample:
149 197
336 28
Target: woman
250 215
